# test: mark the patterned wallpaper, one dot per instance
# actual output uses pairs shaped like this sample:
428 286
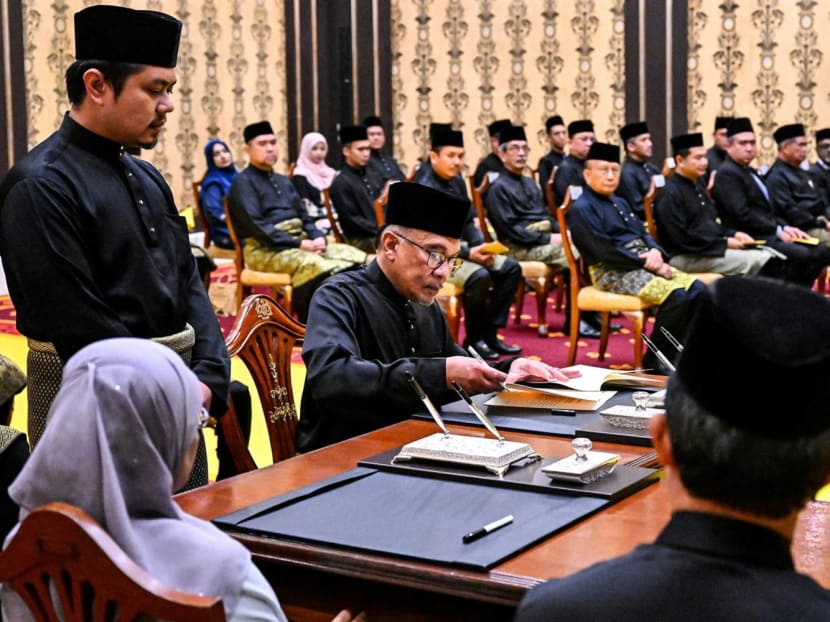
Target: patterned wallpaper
462 61
231 72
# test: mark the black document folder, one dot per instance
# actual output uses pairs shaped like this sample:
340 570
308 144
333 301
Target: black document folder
414 517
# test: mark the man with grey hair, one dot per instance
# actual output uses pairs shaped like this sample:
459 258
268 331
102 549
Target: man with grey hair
740 464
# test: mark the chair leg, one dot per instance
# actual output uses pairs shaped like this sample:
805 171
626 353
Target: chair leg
520 301
637 321
559 281
541 289
603 333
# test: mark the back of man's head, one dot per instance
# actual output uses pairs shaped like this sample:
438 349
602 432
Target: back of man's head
747 409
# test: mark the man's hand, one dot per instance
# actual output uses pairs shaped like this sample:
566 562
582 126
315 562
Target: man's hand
537 371
653 260
473 376
480 257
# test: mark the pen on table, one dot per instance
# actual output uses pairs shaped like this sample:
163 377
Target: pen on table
427 403
477 411
480 359
488 528
660 356
563 411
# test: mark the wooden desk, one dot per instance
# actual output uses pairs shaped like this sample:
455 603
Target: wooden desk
314 581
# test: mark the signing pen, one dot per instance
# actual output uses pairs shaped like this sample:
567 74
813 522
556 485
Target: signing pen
480 359
488 528
563 411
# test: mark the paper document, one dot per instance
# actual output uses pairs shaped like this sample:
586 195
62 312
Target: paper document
598 378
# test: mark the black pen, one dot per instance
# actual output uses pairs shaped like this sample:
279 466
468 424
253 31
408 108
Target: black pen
563 411
488 528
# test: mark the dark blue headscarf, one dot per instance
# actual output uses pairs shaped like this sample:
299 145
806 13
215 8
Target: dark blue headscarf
215 175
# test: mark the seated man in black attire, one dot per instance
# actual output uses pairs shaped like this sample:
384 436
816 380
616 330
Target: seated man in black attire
491 163
558 139
623 258
367 328
580 138
716 154
355 188
385 166
637 168
740 464
489 281
278 233
744 203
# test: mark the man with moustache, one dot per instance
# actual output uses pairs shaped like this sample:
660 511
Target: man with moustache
637 170
580 138
743 202
368 328
92 243
489 281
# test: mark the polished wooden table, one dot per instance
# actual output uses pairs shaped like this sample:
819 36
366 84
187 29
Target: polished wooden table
315 581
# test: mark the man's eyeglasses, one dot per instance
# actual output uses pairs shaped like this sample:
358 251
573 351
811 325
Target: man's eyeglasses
435 259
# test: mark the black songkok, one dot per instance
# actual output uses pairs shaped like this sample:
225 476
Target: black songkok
372 121
437 128
513 132
823 134
554 120
686 141
421 207
497 127
739 125
121 35
785 132
632 130
256 129
605 152
351 133
721 123
577 127
752 370
447 138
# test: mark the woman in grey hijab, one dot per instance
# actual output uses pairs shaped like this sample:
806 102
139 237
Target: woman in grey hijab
121 438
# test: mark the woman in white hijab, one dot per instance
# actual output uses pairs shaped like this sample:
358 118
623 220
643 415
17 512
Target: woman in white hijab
312 175
122 436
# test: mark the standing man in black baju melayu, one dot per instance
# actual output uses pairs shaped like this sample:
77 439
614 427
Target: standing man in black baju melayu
637 169
558 139
491 163
489 281
580 138
92 243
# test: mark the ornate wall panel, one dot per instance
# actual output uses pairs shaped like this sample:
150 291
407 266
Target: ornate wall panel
761 59
469 62
231 72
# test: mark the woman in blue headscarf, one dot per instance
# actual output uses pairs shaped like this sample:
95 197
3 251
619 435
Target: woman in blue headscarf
220 174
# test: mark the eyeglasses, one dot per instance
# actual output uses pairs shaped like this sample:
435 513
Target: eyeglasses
204 417
435 259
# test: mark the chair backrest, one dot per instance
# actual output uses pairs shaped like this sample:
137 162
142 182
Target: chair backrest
291 168
648 208
336 231
197 210
238 255
91 578
576 267
478 203
380 207
547 186
263 336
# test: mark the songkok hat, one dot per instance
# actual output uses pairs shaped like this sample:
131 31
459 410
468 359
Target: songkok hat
12 379
554 120
436 128
351 133
785 132
121 35
823 134
576 127
605 152
256 129
372 121
686 141
512 132
447 138
721 123
739 125
421 207
497 127
754 371
632 130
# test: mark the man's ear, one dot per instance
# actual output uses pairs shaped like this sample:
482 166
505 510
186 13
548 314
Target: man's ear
659 428
96 85
432 157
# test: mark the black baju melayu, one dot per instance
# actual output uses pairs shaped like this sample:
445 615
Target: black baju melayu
701 567
385 166
820 172
795 196
547 163
569 173
353 193
491 163
362 336
635 181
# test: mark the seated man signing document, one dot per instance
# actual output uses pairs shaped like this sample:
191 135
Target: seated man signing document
367 328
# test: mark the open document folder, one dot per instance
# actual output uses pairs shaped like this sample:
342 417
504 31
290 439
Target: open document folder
588 391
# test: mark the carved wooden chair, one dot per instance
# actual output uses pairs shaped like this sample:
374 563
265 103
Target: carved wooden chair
586 297
279 282
59 546
537 275
263 336
336 231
